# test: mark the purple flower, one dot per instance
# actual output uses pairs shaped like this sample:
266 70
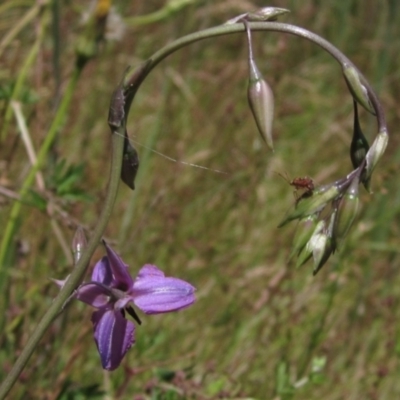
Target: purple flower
113 291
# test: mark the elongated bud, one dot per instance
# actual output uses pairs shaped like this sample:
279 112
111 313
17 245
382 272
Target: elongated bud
130 164
375 153
260 97
359 144
357 89
79 244
304 230
347 210
263 14
322 250
313 204
267 14
261 101
307 251
324 245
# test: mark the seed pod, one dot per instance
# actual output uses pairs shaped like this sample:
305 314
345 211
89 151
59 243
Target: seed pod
357 89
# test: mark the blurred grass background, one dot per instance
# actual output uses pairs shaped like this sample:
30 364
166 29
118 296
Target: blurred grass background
260 329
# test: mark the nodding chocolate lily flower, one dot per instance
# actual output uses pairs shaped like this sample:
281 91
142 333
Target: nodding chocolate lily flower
113 292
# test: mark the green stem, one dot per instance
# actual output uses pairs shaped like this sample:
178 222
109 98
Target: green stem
78 272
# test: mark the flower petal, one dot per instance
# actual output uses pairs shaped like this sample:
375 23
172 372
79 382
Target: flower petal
93 294
149 270
114 336
153 293
102 272
119 269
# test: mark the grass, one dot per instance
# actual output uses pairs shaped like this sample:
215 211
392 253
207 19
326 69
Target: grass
260 329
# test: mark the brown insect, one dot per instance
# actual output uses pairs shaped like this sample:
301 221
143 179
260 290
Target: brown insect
304 187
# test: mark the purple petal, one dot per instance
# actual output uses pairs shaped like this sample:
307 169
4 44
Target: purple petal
114 336
153 293
149 270
102 272
119 269
93 294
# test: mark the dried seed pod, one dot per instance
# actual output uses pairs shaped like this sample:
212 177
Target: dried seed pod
130 164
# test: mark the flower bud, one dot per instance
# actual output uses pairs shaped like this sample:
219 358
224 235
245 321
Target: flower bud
307 251
312 204
266 14
346 211
261 101
375 153
79 244
304 230
322 249
359 144
263 14
357 89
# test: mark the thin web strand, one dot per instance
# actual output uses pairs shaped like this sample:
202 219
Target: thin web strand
175 160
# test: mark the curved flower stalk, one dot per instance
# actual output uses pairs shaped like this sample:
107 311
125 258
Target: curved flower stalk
102 289
113 292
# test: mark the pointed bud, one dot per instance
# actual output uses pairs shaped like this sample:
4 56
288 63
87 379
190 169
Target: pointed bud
374 154
322 250
359 144
357 89
304 230
261 101
79 244
130 164
325 245
263 14
347 210
307 251
266 14
312 204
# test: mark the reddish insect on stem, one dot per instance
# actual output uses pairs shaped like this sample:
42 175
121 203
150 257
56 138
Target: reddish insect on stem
306 185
